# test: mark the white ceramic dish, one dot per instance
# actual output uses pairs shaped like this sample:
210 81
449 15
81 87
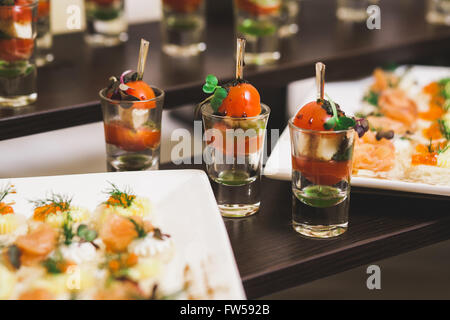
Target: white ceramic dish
182 201
349 94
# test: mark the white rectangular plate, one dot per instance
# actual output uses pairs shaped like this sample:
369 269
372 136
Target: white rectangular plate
182 201
349 95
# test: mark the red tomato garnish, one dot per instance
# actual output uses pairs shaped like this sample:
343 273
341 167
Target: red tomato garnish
322 172
131 140
17 13
185 6
142 91
253 8
242 101
312 117
16 49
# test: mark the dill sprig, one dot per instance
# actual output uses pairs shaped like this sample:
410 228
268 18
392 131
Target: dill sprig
139 229
118 197
445 129
5 191
68 233
62 202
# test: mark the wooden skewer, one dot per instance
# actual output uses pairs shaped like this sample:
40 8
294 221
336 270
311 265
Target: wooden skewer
320 80
143 53
240 51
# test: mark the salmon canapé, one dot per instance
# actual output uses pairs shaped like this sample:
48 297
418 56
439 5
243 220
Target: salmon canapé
395 104
386 124
36 245
373 154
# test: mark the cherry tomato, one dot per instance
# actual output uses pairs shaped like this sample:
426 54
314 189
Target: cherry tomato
17 13
142 91
131 140
16 49
311 117
243 100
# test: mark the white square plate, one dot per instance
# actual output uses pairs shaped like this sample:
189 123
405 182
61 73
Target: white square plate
350 94
182 201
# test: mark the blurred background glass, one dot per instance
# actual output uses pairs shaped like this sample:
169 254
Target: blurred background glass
438 12
258 22
183 27
17 50
44 38
106 24
289 17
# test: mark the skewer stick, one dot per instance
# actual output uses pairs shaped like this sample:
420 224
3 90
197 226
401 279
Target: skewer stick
240 51
320 80
143 52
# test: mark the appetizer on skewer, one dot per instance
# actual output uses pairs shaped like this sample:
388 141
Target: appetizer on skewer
133 130
325 159
232 101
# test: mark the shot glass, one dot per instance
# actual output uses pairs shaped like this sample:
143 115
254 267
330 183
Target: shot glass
183 27
17 46
132 132
321 173
259 23
233 155
289 18
353 10
438 12
106 22
44 38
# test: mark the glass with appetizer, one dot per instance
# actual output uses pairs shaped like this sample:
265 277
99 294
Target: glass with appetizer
322 142
235 121
258 22
132 113
17 41
106 22
183 27
44 38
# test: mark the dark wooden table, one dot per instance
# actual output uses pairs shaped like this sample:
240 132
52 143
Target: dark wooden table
271 256
68 89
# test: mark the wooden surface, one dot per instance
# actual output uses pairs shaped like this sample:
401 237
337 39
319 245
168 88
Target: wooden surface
271 256
68 89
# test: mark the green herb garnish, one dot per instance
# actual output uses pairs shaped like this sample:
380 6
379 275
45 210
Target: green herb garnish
445 129
139 229
372 98
68 233
55 264
118 197
338 123
219 93
6 190
86 234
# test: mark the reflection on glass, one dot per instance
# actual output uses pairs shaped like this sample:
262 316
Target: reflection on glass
438 12
258 22
353 10
106 22
183 27
44 38
17 41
